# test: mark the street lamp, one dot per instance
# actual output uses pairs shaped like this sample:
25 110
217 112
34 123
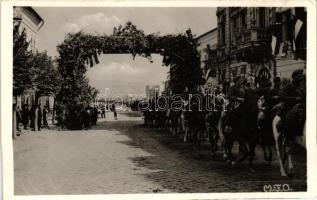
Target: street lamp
106 99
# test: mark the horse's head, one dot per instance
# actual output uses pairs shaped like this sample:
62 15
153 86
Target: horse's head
261 102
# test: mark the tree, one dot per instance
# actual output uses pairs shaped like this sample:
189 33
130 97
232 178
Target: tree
45 80
46 77
22 70
32 71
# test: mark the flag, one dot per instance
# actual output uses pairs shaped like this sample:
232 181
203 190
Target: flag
273 44
207 74
280 51
294 46
293 11
298 26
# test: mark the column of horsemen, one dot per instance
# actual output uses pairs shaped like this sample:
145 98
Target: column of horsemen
272 116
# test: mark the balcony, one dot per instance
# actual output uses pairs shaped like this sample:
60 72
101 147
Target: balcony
212 56
221 52
251 35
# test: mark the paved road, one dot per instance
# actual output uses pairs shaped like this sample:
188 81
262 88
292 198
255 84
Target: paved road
123 156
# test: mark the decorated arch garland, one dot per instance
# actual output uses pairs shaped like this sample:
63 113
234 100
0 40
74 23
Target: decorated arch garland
79 51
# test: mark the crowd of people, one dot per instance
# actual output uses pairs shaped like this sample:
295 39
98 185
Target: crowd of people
244 114
77 117
26 117
82 117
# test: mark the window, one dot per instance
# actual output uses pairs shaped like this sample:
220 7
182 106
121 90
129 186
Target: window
222 34
222 30
243 20
222 75
284 31
287 28
262 17
252 69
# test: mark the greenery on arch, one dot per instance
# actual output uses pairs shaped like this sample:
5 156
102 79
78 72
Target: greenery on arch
79 51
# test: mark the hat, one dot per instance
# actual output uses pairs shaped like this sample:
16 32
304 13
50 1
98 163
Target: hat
237 78
277 80
297 73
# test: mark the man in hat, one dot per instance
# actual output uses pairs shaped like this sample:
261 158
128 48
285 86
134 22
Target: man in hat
274 95
294 112
295 92
236 92
25 115
45 112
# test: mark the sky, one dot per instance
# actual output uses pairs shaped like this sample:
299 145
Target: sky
120 73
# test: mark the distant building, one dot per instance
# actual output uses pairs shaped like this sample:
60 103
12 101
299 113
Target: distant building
207 48
147 90
152 90
260 43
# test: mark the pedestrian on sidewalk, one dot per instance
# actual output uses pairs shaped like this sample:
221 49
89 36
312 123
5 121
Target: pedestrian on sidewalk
103 112
32 117
25 115
114 111
39 117
95 116
87 118
18 119
45 111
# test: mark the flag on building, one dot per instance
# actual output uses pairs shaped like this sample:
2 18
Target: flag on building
273 44
294 46
298 26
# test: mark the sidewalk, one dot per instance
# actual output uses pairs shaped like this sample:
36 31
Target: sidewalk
95 161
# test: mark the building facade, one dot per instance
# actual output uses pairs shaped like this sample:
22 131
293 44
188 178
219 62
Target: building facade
207 48
152 90
259 43
30 21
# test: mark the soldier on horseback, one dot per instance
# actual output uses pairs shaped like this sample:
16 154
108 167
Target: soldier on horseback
233 119
289 124
275 94
268 102
293 113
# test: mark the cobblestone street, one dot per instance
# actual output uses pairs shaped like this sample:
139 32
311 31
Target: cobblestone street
125 157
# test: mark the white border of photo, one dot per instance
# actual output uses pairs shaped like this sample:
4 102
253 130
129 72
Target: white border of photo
6 95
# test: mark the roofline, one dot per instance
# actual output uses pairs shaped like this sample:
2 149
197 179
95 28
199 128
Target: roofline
35 13
202 35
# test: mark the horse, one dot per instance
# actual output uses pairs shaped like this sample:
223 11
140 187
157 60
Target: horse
212 122
184 124
196 124
285 139
160 117
174 121
239 124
